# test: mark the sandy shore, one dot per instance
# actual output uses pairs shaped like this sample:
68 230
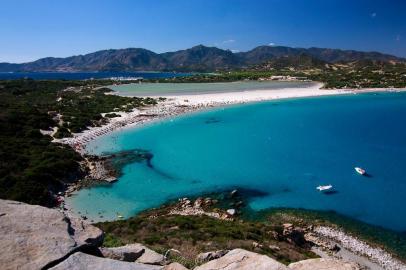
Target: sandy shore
252 96
180 104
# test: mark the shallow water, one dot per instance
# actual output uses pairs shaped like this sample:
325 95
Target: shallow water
168 89
284 148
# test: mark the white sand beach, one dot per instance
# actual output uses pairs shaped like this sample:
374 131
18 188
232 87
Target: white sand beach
251 96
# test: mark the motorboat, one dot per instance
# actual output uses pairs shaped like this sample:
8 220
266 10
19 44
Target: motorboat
324 188
360 170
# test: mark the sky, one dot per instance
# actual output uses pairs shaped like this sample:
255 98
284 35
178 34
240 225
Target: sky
32 29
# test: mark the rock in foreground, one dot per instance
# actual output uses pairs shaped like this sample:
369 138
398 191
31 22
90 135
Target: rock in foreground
150 257
239 259
81 261
127 253
33 237
134 253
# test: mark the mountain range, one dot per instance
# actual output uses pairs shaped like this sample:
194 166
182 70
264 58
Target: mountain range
198 58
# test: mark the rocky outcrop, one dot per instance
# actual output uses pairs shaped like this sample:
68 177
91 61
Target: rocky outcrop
81 261
239 259
200 207
134 253
211 255
323 264
34 237
294 235
151 257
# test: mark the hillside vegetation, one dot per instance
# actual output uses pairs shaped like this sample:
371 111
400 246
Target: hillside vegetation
32 168
357 74
353 75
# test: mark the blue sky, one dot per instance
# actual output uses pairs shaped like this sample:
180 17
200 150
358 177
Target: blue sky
31 29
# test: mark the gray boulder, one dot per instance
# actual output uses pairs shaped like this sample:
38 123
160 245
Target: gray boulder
127 253
134 253
33 237
150 257
82 261
240 259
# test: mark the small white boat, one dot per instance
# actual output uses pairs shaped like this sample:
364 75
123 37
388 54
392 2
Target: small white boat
324 188
360 170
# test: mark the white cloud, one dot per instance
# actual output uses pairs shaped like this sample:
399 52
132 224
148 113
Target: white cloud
271 44
373 15
235 51
228 41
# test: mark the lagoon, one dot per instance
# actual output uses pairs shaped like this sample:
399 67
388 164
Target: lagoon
175 89
284 148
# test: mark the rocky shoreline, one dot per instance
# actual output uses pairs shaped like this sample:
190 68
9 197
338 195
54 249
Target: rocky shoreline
375 254
328 239
97 170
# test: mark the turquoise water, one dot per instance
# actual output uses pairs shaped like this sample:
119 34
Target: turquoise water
284 148
167 89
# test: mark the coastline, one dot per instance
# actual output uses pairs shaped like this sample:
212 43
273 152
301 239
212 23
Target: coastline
182 104
175 105
172 106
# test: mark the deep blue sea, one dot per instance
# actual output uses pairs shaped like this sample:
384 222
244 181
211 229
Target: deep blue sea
85 75
284 148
